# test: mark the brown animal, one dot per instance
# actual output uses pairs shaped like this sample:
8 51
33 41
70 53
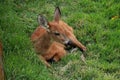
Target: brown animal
50 38
1 64
47 43
64 29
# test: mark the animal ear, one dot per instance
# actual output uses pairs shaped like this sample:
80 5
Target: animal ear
42 21
57 14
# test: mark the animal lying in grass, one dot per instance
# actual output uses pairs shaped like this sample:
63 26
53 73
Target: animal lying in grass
50 39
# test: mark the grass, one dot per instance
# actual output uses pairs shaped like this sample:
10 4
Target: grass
96 23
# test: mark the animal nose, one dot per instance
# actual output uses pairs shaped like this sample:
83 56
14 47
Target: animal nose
67 42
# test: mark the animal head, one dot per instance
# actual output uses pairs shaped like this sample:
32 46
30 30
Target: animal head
54 33
60 30
63 28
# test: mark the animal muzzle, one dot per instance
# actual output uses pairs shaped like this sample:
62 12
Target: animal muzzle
70 45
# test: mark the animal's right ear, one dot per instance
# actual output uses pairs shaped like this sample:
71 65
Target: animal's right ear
42 21
57 14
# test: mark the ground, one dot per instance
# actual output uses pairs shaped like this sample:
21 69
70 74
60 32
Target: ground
96 24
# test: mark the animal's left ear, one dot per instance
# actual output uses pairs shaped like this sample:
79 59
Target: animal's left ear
42 21
57 14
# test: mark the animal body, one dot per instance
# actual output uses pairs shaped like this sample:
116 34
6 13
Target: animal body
50 38
48 44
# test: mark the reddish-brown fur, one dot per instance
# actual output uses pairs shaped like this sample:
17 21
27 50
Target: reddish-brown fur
1 64
63 28
48 46
0 49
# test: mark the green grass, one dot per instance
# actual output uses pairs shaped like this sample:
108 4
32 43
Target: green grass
93 24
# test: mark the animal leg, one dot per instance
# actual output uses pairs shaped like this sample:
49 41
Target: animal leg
44 61
61 53
54 48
